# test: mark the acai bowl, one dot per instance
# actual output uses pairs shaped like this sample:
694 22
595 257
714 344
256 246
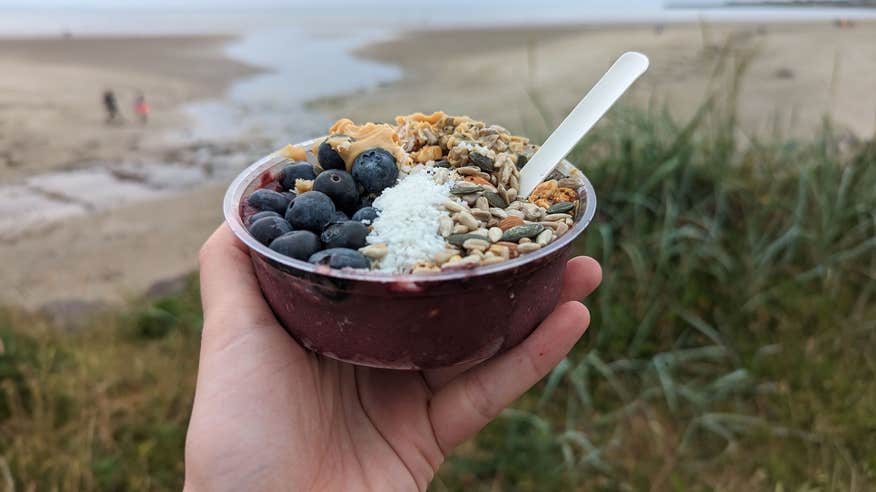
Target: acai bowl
441 274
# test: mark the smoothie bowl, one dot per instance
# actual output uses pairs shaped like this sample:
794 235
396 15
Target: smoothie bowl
406 246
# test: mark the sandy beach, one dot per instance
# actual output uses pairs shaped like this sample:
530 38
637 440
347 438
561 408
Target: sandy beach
798 72
92 212
129 207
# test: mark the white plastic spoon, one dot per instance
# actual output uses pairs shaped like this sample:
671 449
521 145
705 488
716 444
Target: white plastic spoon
589 110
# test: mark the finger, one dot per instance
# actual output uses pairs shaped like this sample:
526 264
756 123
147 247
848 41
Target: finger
229 288
581 277
470 401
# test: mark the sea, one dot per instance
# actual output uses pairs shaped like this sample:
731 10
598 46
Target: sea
282 36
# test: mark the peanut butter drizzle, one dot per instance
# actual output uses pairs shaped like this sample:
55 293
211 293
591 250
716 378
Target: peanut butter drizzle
350 140
293 152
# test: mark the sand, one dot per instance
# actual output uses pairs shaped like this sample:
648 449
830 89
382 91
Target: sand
93 214
797 73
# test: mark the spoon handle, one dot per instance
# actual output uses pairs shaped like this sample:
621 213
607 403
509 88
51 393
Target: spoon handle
587 112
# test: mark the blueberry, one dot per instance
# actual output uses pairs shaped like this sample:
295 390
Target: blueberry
297 170
297 244
267 229
264 199
366 200
375 170
340 187
262 215
366 215
349 234
340 258
311 211
329 157
339 217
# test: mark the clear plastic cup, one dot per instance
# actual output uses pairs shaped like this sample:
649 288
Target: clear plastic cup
422 321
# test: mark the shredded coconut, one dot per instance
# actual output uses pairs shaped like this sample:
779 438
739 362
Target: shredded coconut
408 221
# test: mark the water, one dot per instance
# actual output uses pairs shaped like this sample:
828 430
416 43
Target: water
306 49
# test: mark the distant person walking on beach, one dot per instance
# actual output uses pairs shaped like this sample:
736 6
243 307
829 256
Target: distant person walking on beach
141 107
109 103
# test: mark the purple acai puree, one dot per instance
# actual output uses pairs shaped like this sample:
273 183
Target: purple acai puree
409 324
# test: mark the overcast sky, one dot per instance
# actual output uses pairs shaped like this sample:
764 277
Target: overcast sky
304 3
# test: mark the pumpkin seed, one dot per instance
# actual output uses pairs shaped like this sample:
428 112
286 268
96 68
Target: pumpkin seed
514 234
561 207
521 161
443 163
495 200
481 161
458 239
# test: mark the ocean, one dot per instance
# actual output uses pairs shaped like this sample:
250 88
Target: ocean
282 39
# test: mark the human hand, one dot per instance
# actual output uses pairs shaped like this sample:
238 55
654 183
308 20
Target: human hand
271 415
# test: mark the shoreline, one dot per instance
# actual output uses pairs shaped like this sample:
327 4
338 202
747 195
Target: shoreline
104 211
110 250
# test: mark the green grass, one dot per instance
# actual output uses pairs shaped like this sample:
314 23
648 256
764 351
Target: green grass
732 343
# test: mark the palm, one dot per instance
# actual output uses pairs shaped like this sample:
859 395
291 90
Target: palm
270 415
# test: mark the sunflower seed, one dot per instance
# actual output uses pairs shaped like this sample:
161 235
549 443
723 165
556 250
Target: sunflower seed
544 237
476 244
514 206
515 213
465 188
499 250
524 240
468 170
481 215
374 251
523 231
482 203
562 228
528 248
568 182
532 211
444 256
466 219
459 239
511 195
453 206
459 229
445 226
498 212
560 207
492 260
556 217
468 261
494 234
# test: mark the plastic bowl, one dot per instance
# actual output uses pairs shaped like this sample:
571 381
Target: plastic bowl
393 321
